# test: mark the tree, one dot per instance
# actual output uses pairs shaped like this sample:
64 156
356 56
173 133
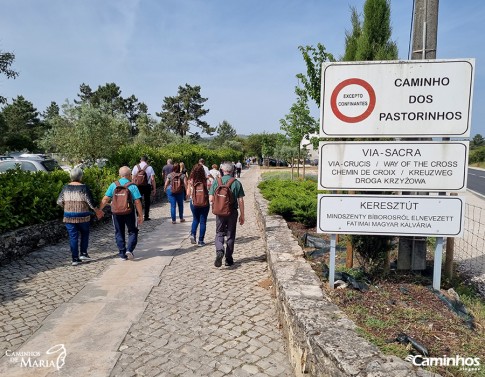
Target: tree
477 141
23 126
313 57
263 145
299 124
86 132
352 37
108 98
225 133
184 110
6 60
370 40
153 133
374 41
51 111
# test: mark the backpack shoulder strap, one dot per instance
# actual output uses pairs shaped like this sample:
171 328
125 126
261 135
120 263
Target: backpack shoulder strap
138 166
117 183
219 180
230 181
145 167
128 184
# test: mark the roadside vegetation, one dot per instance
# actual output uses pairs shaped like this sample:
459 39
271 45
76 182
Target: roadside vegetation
394 306
477 152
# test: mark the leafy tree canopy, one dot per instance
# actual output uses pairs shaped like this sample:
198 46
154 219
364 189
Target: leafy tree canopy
86 132
6 60
22 126
108 98
184 110
477 141
225 133
313 57
299 123
373 42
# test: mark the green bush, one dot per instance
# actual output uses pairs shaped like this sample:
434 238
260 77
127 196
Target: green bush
371 251
187 153
477 155
29 198
293 200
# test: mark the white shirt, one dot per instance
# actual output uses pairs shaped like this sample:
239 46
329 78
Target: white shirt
206 170
149 170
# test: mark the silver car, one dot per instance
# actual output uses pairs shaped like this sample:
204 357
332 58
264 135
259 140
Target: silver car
34 165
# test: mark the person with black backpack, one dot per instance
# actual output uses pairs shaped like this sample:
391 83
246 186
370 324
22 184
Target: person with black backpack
226 196
127 211
175 189
199 203
144 177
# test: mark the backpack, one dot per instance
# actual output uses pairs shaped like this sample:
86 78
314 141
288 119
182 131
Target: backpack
122 202
223 204
141 178
177 184
200 195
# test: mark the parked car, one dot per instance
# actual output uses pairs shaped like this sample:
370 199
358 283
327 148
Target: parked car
6 158
34 165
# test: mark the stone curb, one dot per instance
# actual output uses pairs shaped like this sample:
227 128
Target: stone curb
321 339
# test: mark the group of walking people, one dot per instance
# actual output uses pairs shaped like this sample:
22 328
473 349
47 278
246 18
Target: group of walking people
125 195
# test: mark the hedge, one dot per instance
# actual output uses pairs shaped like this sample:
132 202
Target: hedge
28 198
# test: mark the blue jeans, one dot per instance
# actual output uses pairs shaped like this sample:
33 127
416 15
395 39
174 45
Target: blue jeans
121 222
199 217
176 200
74 230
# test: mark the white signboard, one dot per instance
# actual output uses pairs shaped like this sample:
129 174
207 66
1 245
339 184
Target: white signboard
393 166
404 215
397 98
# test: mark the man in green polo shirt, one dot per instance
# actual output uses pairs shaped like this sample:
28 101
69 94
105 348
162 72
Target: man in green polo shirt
226 225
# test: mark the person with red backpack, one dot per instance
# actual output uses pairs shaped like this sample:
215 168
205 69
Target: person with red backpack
127 211
226 196
144 177
199 203
175 189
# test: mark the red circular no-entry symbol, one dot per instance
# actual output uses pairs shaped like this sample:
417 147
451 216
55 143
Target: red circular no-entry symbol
366 113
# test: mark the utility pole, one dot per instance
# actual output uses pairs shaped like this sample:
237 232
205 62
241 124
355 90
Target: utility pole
412 250
425 29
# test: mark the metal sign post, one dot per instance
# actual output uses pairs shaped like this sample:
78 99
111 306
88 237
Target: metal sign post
438 256
331 273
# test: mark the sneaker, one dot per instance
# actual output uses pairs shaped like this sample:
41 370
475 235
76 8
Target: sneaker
85 257
123 257
182 220
174 222
201 243
129 255
229 262
219 256
146 219
75 262
192 239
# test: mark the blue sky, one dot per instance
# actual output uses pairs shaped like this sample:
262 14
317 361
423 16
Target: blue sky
243 54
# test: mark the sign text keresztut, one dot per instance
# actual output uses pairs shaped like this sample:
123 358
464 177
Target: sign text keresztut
408 215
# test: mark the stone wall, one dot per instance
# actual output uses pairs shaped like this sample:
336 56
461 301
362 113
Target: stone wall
19 242
321 339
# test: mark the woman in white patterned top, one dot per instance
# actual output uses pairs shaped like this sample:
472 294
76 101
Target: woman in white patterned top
77 201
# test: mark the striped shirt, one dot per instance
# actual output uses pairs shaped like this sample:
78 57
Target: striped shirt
77 201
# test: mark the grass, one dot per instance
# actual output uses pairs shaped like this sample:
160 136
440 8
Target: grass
404 303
